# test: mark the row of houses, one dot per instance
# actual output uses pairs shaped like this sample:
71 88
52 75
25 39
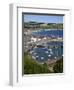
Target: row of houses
36 25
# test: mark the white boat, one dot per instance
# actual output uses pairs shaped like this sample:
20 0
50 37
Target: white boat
46 52
42 57
55 57
50 49
49 55
37 56
33 57
51 52
35 53
31 52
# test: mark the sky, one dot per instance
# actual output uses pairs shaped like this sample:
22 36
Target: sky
43 18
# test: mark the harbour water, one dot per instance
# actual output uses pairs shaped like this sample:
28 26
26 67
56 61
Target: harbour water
43 54
53 49
49 33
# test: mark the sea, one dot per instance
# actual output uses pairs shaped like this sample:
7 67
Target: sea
49 33
42 54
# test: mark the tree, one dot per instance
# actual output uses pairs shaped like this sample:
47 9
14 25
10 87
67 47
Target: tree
33 67
58 67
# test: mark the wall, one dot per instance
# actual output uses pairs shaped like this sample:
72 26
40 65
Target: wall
4 45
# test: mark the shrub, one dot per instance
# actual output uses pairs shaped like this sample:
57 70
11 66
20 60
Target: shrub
58 67
33 67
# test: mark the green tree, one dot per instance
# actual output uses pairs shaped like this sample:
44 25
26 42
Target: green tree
58 67
33 67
